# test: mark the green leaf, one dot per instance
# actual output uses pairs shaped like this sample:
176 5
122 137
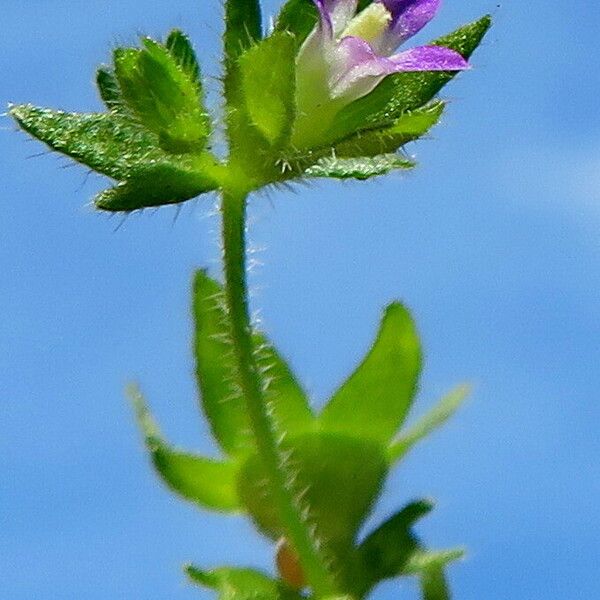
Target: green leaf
427 424
241 584
336 478
164 96
205 482
283 393
109 89
433 585
106 143
424 560
298 17
181 49
375 400
216 373
160 184
358 168
387 550
402 92
243 27
409 127
429 567
268 83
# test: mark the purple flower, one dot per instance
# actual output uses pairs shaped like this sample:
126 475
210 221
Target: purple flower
348 54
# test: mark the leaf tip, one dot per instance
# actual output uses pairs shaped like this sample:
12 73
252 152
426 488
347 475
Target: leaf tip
199 576
150 430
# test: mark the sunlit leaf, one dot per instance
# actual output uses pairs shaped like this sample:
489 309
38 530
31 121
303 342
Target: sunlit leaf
159 184
241 584
297 17
109 89
166 97
336 478
427 424
243 27
181 49
375 400
268 83
358 168
423 560
409 127
203 481
106 143
216 373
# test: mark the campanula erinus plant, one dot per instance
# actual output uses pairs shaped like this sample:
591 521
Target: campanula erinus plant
330 90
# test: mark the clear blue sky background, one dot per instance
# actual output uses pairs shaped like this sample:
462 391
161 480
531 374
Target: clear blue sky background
494 242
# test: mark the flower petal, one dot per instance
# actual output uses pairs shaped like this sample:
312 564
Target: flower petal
364 69
335 14
408 18
357 69
429 58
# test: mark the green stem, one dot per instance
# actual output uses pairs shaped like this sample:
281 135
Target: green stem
265 434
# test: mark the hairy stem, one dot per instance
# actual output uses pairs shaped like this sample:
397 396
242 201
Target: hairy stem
265 434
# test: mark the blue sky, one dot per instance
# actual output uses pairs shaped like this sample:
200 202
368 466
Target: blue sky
494 242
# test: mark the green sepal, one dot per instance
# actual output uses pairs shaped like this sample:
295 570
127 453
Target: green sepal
429 567
243 27
428 423
423 560
241 584
297 17
268 79
166 97
160 184
386 552
434 585
181 49
403 92
216 373
409 127
375 400
109 90
336 479
360 168
106 143
203 481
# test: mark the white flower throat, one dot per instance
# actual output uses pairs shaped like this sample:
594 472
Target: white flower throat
371 24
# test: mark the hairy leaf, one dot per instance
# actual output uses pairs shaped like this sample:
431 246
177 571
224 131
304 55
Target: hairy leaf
337 479
216 372
358 168
208 483
181 49
409 127
110 91
268 83
159 184
166 98
374 401
427 424
241 584
298 17
106 143
402 92
243 27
